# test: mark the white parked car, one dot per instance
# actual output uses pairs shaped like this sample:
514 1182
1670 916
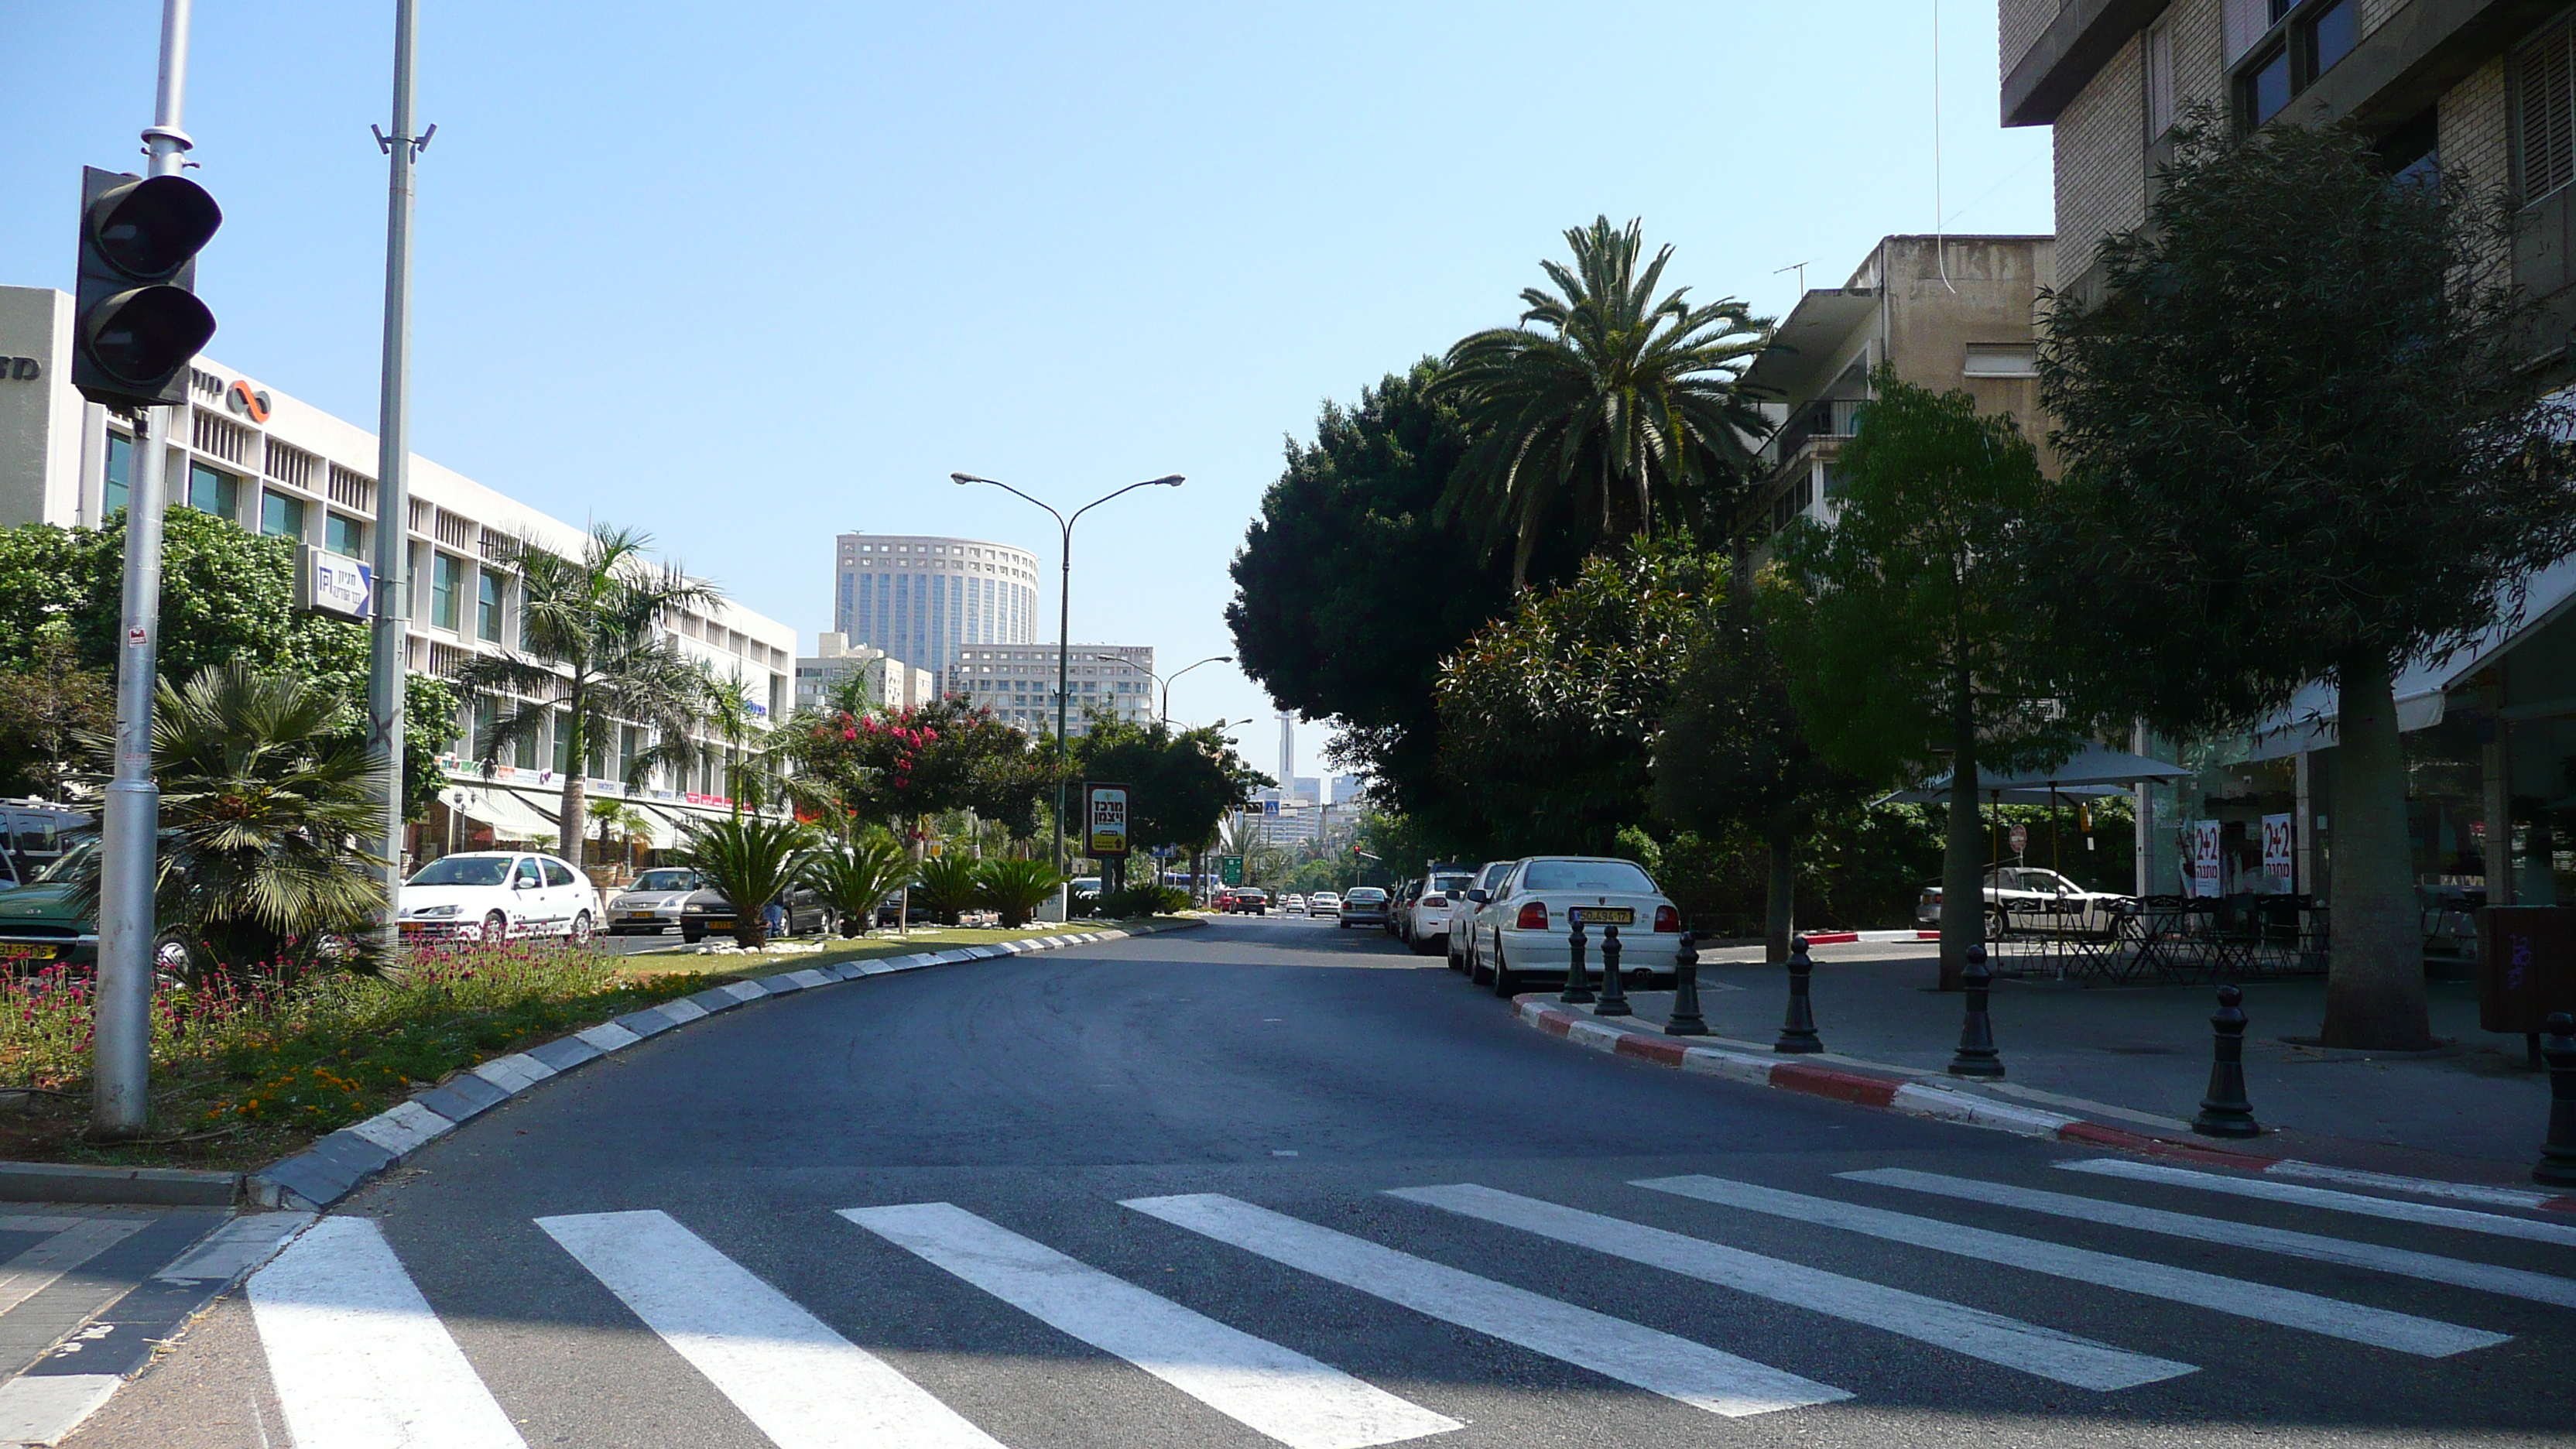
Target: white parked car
2024 891
497 895
1524 942
1463 906
1426 924
1292 905
652 905
1324 903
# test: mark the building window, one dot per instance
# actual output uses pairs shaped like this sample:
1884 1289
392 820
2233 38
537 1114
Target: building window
211 490
281 516
2002 359
487 608
344 535
446 574
2331 36
2287 60
2544 113
2158 65
2264 89
119 483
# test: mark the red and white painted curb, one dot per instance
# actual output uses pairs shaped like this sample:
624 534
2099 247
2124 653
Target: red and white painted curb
1915 1099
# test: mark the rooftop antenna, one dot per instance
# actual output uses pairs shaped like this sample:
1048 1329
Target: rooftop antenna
1940 241
1801 269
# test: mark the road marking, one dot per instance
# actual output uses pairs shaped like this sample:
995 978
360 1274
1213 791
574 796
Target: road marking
35 1270
1990 1336
2404 1262
1282 1393
1677 1368
358 1359
2420 1186
2288 1307
41 1408
804 1385
2323 1197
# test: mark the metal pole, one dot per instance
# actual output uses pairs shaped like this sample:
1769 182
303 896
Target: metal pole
1063 681
386 664
130 820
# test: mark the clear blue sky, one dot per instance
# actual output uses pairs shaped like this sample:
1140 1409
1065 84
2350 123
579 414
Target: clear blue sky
747 276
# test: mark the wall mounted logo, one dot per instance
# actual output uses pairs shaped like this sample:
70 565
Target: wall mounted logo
247 400
20 369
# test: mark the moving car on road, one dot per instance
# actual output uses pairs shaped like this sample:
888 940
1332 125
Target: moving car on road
1426 928
652 905
1249 901
1324 903
1292 905
1365 906
496 895
1529 922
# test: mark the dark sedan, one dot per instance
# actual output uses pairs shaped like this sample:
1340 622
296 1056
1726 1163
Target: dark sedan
708 913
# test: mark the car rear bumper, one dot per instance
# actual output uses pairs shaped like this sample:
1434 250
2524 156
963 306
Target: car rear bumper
1545 953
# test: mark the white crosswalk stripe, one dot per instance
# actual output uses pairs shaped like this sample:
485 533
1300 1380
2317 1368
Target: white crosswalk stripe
2404 1262
1282 1393
804 1385
358 1359
1675 1367
1972 1331
2334 1200
2354 1322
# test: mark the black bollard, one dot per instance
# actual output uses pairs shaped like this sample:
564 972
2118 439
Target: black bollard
1614 995
2224 1112
2558 1155
1686 1020
1578 987
1798 1033
1977 1056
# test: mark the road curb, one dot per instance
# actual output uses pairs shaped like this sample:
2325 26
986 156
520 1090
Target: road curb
133 1186
341 1163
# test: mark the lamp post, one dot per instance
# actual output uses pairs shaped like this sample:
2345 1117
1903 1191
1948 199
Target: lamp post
1064 622
1184 669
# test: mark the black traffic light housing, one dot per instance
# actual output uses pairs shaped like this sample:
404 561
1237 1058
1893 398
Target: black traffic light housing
137 320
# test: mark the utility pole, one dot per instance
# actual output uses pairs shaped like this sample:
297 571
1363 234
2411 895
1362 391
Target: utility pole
130 821
386 664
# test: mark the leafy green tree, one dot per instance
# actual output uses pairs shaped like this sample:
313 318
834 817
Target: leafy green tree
1551 714
1180 783
1610 411
1348 591
751 860
2303 441
857 875
1906 625
48 704
1732 752
898 765
591 658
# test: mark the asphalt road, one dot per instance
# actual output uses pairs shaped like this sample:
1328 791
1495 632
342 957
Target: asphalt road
1168 1169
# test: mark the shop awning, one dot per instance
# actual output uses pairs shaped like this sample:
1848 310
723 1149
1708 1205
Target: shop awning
2091 765
511 816
2071 794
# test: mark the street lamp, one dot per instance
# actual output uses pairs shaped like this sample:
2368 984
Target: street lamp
1184 669
1064 623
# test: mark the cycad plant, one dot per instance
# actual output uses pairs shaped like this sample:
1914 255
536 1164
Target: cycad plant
1016 888
751 860
856 876
265 800
1610 411
945 885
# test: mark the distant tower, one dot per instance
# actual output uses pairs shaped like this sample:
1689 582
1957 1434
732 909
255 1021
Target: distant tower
1287 754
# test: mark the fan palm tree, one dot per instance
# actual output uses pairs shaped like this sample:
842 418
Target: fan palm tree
1608 408
592 655
751 860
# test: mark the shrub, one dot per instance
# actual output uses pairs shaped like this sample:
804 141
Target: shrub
1016 888
751 860
945 885
856 877
1143 900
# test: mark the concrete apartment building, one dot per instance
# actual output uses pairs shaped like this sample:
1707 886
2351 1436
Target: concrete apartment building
277 465
1017 682
2485 90
891 683
1947 313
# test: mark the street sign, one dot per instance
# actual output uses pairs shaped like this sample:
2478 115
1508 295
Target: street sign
1229 869
328 583
1104 832
2020 838
1269 807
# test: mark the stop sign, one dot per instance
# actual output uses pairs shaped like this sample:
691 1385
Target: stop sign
2020 839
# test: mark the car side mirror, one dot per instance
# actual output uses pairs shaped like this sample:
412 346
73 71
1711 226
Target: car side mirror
1478 898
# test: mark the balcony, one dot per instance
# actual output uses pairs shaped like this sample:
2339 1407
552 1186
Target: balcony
1824 418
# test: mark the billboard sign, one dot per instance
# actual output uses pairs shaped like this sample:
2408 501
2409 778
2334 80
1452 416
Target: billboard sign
1104 831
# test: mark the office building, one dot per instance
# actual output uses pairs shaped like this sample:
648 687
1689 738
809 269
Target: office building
1017 682
891 683
921 599
276 465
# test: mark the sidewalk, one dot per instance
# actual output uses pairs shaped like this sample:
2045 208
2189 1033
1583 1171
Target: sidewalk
2138 1057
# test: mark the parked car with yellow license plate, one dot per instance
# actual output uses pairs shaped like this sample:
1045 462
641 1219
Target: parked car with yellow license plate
653 903
497 895
1531 922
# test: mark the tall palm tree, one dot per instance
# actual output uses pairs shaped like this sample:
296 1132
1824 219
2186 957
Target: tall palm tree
1607 408
593 656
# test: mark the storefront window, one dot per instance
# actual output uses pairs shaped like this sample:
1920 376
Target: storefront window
2446 816
2540 764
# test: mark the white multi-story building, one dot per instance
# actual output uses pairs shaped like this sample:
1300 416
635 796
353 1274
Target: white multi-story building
277 465
890 682
1017 682
922 599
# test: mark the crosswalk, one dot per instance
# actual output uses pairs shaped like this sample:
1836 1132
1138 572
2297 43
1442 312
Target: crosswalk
359 1358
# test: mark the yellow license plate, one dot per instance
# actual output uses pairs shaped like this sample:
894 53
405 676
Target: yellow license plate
725 924
24 951
1605 915
413 928
639 915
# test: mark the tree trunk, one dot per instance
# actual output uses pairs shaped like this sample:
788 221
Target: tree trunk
1963 864
576 768
1779 915
2375 977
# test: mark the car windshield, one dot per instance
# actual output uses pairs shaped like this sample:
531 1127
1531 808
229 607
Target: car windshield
1586 875
665 880
463 870
1446 883
1366 893
79 858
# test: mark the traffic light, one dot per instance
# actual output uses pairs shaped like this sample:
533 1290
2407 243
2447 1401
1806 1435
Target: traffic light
137 319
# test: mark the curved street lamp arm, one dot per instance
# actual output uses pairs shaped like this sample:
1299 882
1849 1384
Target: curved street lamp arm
1173 481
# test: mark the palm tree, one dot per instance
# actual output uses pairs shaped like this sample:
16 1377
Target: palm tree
592 655
616 817
750 860
265 800
729 716
1614 403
